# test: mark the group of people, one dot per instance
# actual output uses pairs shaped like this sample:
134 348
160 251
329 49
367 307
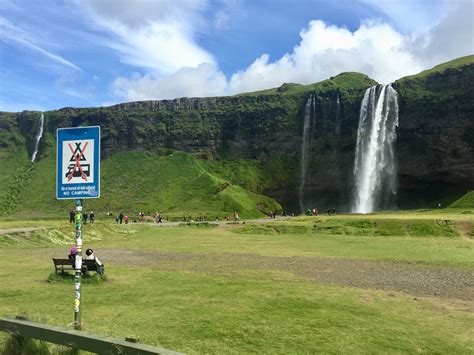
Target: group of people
236 217
89 255
312 211
85 217
121 218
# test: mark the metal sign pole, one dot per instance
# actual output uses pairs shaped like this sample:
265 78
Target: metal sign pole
78 266
78 177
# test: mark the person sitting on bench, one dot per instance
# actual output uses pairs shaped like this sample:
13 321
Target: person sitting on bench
90 256
72 253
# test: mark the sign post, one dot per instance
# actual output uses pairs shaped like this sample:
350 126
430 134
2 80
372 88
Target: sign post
78 177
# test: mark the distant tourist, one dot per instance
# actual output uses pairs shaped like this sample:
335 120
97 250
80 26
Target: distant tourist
121 217
236 216
334 211
85 216
71 216
126 219
92 217
116 219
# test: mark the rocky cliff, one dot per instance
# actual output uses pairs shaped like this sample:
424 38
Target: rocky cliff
435 145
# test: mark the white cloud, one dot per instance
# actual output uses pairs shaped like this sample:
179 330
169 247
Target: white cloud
324 51
452 37
157 35
12 34
375 48
410 15
205 80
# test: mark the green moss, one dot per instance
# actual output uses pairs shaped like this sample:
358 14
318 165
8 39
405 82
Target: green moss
465 201
441 68
175 184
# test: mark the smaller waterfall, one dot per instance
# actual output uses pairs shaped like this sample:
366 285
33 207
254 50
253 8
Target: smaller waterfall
309 114
375 163
337 130
38 137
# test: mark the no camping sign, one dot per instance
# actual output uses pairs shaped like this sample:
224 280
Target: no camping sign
78 163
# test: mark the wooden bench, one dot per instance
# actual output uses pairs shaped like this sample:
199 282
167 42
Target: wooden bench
64 265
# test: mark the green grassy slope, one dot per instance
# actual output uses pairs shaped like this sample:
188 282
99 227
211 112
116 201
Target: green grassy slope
430 84
348 81
136 181
465 201
440 68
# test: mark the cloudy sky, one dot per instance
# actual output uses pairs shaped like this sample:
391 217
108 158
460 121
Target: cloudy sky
58 53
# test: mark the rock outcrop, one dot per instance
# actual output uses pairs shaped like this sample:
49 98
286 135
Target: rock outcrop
435 145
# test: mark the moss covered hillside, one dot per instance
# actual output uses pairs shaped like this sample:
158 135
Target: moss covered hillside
218 154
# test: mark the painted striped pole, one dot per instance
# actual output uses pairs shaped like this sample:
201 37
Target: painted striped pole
78 266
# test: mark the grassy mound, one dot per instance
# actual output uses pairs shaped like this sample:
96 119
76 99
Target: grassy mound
358 228
465 201
441 68
131 182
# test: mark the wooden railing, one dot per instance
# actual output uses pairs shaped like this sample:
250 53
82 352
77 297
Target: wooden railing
20 327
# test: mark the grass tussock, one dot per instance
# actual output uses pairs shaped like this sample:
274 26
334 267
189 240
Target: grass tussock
66 277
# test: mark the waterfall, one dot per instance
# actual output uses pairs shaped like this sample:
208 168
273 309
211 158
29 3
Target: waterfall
375 167
337 130
309 114
38 137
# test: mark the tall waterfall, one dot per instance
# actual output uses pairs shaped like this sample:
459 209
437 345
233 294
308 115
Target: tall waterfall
375 167
309 116
38 137
338 115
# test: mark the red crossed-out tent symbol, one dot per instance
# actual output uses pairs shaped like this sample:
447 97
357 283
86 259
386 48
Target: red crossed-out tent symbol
77 155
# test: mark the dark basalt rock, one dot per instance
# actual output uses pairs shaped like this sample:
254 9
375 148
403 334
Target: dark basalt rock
435 145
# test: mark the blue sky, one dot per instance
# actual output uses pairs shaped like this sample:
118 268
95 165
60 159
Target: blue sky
84 53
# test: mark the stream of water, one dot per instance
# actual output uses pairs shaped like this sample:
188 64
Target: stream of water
309 117
375 166
39 134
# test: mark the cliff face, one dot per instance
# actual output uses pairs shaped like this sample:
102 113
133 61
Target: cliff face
435 145
264 126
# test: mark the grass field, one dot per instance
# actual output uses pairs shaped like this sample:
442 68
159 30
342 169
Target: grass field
383 283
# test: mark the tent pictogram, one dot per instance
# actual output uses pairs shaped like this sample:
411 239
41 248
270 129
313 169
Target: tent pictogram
78 169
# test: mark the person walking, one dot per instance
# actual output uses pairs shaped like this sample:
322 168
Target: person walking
71 216
121 217
126 219
92 216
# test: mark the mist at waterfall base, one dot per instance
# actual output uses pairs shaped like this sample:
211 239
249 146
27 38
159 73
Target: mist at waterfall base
375 167
39 134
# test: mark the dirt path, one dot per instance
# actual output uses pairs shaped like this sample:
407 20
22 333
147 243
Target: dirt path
465 229
413 279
